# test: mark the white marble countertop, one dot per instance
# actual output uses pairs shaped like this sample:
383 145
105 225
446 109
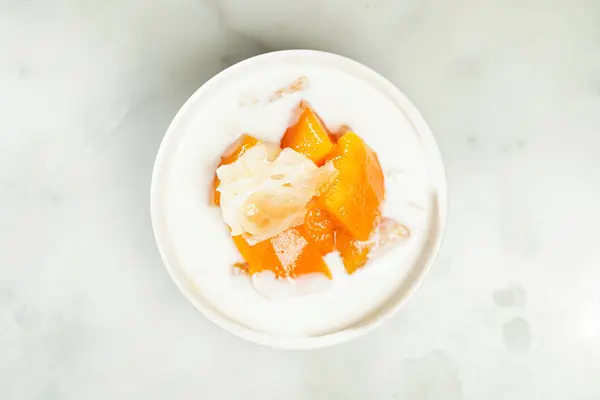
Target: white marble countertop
511 309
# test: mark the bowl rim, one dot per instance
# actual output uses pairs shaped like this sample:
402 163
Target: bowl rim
329 339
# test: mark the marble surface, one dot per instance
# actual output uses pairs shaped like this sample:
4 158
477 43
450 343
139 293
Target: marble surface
511 309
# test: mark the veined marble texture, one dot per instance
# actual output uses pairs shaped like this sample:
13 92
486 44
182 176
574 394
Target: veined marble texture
511 308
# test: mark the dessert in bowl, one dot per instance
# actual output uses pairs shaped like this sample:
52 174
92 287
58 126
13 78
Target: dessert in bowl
298 199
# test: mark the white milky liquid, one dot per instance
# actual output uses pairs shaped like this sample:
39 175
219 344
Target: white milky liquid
201 240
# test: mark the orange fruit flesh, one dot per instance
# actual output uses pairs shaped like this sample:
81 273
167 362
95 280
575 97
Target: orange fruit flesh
231 154
341 218
308 136
353 253
292 252
289 254
334 136
355 194
320 228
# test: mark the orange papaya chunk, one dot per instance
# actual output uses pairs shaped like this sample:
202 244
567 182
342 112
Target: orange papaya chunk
289 254
259 257
319 227
354 196
231 154
354 253
334 136
308 136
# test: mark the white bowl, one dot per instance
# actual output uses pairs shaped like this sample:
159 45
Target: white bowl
169 149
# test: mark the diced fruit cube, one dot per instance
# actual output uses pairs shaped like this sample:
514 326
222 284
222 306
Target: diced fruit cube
354 253
308 136
289 254
319 227
259 257
355 194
